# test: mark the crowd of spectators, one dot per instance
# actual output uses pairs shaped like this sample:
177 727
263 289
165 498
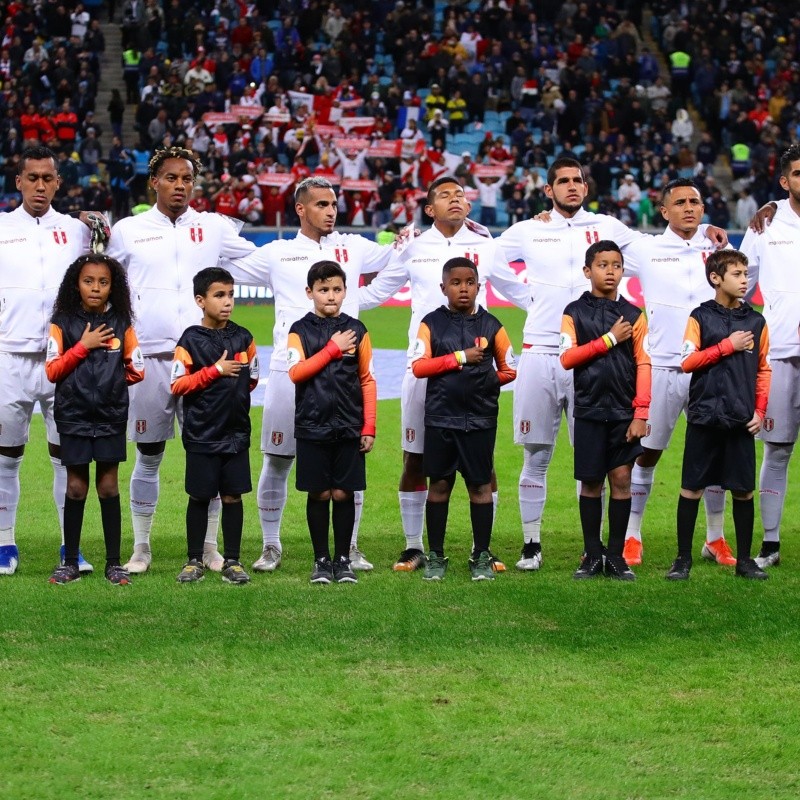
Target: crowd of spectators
383 97
50 57
739 64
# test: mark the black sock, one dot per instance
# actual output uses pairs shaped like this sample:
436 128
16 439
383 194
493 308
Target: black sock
619 511
343 516
743 519
73 522
481 516
436 523
318 518
770 547
591 511
196 527
111 517
232 519
687 517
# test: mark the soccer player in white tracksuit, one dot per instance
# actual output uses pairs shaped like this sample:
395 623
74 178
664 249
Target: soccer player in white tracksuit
161 251
452 234
672 273
773 258
553 253
283 266
37 244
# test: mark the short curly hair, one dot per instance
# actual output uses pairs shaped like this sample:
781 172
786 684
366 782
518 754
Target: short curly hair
160 156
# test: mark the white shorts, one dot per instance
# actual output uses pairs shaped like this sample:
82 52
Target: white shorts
153 408
542 392
782 422
277 430
412 413
669 394
24 383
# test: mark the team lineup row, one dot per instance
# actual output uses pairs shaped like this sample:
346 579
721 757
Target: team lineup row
162 250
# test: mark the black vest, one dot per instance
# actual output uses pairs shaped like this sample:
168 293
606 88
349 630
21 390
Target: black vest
724 394
605 386
217 419
464 399
330 405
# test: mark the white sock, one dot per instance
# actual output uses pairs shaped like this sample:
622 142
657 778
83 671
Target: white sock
212 528
59 490
532 532
144 495
412 515
272 493
772 488
715 512
533 489
495 496
9 497
641 485
358 498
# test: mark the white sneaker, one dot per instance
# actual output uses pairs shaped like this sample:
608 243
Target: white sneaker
358 561
212 559
269 561
768 560
531 559
139 562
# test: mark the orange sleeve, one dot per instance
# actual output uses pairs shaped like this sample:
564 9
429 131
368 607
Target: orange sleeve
573 354
132 358
58 363
183 380
693 358
641 401
502 352
369 388
252 359
764 374
306 368
423 365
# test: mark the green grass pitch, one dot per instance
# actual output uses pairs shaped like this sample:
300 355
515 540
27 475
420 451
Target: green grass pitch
532 686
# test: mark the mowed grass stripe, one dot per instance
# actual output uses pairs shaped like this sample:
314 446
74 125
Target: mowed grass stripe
531 686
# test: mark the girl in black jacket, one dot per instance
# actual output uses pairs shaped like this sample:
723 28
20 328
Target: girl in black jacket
92 357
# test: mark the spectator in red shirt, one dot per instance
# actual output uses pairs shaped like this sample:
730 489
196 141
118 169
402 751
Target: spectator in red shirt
242 34
225 201
300 170
498 151
199 201
31 126
66 125
275 205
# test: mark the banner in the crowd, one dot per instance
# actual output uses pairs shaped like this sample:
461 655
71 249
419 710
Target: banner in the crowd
219 118
356 122
348 105
352 185
275 178
489 170
384 148
278 117
351 143
251 112
325 131
298 99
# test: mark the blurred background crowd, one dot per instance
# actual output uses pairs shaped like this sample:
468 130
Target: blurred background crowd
383 97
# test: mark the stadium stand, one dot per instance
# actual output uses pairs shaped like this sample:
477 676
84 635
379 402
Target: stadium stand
269 92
